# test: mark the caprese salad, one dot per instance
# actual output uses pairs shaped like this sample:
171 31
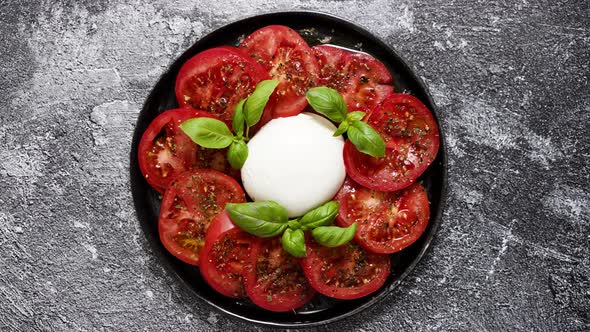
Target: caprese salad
289 170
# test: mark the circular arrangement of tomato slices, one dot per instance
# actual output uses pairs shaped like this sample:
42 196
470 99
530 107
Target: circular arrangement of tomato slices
381 195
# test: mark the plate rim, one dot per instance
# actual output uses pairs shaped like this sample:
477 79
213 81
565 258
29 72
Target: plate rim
435 223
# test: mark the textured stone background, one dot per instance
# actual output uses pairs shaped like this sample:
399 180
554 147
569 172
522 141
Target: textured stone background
512 82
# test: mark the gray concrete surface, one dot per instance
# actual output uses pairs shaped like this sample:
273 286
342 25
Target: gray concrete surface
512 82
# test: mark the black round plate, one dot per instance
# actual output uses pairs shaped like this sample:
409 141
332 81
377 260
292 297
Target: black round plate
315 29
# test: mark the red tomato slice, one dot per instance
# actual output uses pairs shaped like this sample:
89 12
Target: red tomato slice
361 79
411 140
273 278
287 58
165 151
346 272
191 201
387 221
217 79
222 259
331 61
366 75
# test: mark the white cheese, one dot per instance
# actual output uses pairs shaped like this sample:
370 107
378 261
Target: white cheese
296 162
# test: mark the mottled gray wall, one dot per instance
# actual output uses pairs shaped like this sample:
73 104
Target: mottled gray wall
512 82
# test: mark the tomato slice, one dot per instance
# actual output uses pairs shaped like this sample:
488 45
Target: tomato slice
287 58
387 221
274 279
361 79
346 272
411 141
331 61
189 204
217 79
222 259
165 151
366 78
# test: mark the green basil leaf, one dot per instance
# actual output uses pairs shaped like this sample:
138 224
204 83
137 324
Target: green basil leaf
320 216
294 242
342 128
255 104
263 219
238 118
366 139
356 115
294 224
207 132
328 102
237 154
333 236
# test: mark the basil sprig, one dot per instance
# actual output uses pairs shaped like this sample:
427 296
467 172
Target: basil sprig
332 236
268 219
255 104
237 153
208 133
366 139
327 102
330 103
214 134
293 241
238 119
263 219
320 216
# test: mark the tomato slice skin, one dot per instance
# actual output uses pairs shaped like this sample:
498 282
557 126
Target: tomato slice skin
411 140
222 259
274 279
287 58
165 151
189 205
362 80
217 79
387 221
346 272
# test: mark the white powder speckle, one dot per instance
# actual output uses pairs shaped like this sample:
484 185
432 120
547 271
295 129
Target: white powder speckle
472 197
22 162
501 253
49 287
91 249
488 125
543 149
406 19
212 318
78 224
438 45
112 115
571 203
499 129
